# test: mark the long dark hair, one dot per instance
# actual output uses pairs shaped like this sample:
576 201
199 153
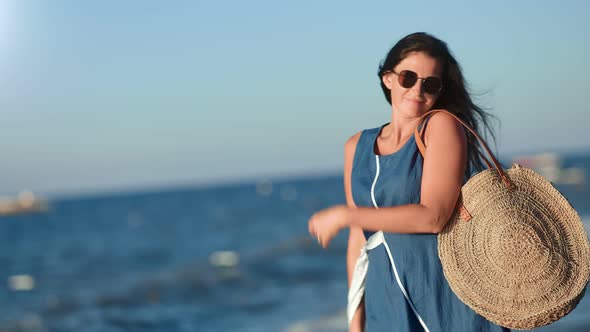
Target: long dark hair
454 96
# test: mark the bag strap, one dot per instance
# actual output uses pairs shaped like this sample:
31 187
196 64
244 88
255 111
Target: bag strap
422 147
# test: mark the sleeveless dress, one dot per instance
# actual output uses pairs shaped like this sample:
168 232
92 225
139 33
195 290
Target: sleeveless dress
390 180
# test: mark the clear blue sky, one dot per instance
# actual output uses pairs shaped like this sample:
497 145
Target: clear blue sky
109 95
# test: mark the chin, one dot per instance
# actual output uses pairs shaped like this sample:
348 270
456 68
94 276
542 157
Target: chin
414 110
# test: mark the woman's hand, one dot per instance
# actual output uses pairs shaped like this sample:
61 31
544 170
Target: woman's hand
325 224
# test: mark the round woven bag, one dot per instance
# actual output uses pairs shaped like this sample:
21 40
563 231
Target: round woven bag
515 250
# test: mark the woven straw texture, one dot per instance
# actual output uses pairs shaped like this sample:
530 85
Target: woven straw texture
523 259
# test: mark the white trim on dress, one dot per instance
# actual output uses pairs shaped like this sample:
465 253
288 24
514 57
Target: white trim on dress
357 285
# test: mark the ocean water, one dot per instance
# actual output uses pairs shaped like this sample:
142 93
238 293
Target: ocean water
226 258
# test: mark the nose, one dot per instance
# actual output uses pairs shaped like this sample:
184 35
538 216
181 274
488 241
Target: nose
417 88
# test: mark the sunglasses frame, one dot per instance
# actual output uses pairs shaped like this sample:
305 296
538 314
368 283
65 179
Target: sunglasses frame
423 79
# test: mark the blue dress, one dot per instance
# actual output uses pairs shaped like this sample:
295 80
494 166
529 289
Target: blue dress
390 180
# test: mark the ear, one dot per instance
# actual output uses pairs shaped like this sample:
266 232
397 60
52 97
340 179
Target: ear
387 79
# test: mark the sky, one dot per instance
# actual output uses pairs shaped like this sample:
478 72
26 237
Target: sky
102 96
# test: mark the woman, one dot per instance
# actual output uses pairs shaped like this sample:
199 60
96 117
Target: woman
400 200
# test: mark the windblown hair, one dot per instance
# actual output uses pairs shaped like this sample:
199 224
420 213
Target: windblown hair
453 97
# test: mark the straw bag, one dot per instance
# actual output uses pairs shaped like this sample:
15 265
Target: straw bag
515 250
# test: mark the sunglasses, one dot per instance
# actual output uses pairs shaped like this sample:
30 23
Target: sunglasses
430 85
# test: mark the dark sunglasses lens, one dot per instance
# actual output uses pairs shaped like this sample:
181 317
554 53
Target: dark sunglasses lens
407 78
432 85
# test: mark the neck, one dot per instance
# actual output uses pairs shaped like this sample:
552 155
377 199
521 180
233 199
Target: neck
400 128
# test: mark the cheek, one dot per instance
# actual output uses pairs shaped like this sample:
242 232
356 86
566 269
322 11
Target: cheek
396 96
431 101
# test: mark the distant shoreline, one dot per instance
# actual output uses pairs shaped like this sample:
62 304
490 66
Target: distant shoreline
277 177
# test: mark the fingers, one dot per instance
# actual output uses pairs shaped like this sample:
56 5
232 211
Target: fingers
311 229
323 240
313 232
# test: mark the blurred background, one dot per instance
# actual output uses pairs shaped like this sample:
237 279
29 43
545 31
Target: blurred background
160 160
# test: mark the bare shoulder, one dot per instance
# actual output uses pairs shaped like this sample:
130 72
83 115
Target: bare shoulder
350 145
444 128
349 151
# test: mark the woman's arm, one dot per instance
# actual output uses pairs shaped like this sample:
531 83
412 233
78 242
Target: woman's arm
356 238
442 177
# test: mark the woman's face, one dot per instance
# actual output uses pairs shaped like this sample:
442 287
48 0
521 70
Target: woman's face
413 101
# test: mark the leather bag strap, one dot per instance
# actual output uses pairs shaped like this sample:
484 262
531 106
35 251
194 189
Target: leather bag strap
496 164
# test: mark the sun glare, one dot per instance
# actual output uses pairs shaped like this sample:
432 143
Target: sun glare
4 21
7 32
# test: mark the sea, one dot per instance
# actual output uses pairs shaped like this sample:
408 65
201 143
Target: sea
227 257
